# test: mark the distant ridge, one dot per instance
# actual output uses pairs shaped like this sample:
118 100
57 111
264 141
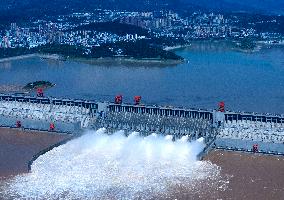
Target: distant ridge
13 10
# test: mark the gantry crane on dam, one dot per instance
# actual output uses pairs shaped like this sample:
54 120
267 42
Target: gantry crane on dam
218 127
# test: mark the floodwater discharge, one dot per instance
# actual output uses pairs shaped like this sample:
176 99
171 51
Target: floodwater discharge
102 166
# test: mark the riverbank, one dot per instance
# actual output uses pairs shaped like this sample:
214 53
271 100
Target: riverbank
232 45
127 61
256 49
26 89
18 147
43 56
12 89
17 57
259 45
171 48
99 61
271 43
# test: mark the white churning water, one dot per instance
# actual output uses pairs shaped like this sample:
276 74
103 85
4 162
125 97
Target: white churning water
101 166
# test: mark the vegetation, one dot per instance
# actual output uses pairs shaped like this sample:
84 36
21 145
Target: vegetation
11 52
166 41
38 84
140 49
62 49
247 44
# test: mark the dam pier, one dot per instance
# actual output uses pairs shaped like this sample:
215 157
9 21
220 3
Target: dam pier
238 131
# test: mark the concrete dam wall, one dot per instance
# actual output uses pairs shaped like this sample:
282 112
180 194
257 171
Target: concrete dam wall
219 128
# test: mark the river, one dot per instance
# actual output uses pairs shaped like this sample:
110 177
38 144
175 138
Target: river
245 81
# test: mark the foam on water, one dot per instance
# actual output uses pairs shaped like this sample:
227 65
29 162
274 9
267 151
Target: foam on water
101 166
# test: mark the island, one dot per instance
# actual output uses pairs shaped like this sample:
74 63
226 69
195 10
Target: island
38 84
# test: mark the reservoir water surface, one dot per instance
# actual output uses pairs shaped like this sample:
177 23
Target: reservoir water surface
214 72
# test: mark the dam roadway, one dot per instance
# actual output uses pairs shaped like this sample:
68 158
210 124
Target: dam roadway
221 129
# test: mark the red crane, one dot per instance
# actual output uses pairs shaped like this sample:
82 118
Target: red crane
18 124
255 148
51 127
222 106
137 100
118 99
39 92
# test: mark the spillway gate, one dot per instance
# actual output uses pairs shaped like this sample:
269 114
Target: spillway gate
223 129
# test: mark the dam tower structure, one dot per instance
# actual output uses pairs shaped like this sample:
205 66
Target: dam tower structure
239 131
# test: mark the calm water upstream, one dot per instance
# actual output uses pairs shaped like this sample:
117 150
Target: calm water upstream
245 81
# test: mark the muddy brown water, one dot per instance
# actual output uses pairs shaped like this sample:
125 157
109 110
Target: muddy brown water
252 176
18 147
243 175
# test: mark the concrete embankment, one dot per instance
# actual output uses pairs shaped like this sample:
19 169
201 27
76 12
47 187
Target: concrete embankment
12 88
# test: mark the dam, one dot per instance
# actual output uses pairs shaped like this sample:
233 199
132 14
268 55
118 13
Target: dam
237 131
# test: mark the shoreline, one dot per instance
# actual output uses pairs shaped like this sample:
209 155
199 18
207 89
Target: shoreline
268 43
126 61
43 56
121 60
172 48
256 49
17 57
105 60
232 45
12 88
21 89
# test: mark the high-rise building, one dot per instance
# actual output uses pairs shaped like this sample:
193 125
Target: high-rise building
40 29
13 26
